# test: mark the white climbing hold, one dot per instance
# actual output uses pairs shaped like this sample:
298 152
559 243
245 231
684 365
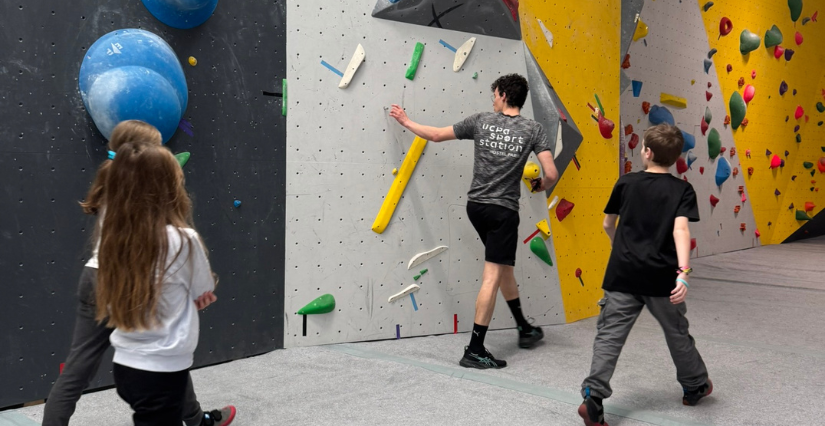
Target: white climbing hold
427 255
547 34
412 288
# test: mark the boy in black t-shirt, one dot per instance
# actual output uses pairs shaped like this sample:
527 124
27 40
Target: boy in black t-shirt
648 266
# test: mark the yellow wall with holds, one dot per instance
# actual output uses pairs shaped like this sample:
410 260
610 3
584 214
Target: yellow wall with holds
767 128
584 61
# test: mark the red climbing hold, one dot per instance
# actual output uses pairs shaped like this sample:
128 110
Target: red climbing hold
626 62
634 141
722 150
798 38
730 68
821 165
646 107
725 26
692 243
708 95
701 170
606 127
709 85
753 74
681 165
750 171
778 51
813 17
732 151
741 81
704 126
713 201
628 129
809 206
563 209
757 233
748 93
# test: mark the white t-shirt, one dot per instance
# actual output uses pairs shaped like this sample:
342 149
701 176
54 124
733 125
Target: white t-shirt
171 345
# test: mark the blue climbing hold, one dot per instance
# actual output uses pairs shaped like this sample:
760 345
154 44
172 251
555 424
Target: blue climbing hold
708 63
133 74
722 171
182 14
659 114
690 142
691 158
236 203
637 88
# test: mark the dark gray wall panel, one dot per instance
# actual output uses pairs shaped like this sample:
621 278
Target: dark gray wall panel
49 152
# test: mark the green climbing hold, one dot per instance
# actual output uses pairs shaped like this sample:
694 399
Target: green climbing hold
708 115
475 75
820 107
748 42
820 123
796 9
423 271
283 102
714 143
540 250
321 305
798 138
773 37
801 215
182 158
807 164
416 277
737 110
416 58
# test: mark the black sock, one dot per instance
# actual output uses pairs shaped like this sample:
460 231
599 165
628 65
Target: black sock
515 308
477 338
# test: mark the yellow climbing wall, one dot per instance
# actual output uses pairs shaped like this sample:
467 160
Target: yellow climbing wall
583 61
767 128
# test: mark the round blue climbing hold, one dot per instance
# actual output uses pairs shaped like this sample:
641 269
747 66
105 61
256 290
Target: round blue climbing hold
722 171
237 203
659 114
133 74
690 141
182 14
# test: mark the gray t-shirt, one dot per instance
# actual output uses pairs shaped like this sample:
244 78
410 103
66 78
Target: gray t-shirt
503 144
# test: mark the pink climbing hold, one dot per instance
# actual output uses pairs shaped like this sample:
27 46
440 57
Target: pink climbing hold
753 74
748 93
775 161
799 112
798 38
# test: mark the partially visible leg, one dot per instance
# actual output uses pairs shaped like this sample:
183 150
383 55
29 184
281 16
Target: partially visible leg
192 412
156 398
89 343
617 317
691 371
476 355
528 335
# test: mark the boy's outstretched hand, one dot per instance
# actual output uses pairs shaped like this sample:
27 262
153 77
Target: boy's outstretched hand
399 114
679 293
205 300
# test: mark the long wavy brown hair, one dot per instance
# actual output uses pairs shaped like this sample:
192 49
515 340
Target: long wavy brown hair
143 192
129 131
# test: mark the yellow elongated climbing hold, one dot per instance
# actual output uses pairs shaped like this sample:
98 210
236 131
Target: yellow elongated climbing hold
531 171
544 228
641 30
398 185
667 98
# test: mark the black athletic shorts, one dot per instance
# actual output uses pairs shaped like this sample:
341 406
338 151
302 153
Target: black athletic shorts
498 228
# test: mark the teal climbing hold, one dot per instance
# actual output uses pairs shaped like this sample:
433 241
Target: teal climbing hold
773 37
801 215
708 115
820 107
714 143
321 305
738 109
748 42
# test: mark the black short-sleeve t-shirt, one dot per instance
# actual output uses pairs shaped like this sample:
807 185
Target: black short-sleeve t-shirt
643 260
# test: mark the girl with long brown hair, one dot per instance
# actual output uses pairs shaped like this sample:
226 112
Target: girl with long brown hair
152 268
91 338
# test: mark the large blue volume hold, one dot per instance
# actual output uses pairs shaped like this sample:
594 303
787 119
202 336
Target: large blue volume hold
133 74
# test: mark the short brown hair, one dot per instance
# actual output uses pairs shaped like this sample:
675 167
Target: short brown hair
666 142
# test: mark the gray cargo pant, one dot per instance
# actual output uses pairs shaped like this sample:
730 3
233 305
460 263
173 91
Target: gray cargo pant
89 344
619 313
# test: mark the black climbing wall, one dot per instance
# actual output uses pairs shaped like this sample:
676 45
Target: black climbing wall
49 151
810 229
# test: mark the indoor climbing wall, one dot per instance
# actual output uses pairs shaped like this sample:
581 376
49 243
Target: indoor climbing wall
669 67
781 43
51 150
578 50
343 148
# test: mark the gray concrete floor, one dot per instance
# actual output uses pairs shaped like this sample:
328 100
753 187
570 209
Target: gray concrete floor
756 316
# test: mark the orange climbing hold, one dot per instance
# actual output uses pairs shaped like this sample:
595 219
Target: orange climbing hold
741 81
628 129
809 206
626 62
646 107
727 120
732 151
742 226
750 171
736 209
735 171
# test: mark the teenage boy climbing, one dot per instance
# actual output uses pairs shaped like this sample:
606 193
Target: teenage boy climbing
503 142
